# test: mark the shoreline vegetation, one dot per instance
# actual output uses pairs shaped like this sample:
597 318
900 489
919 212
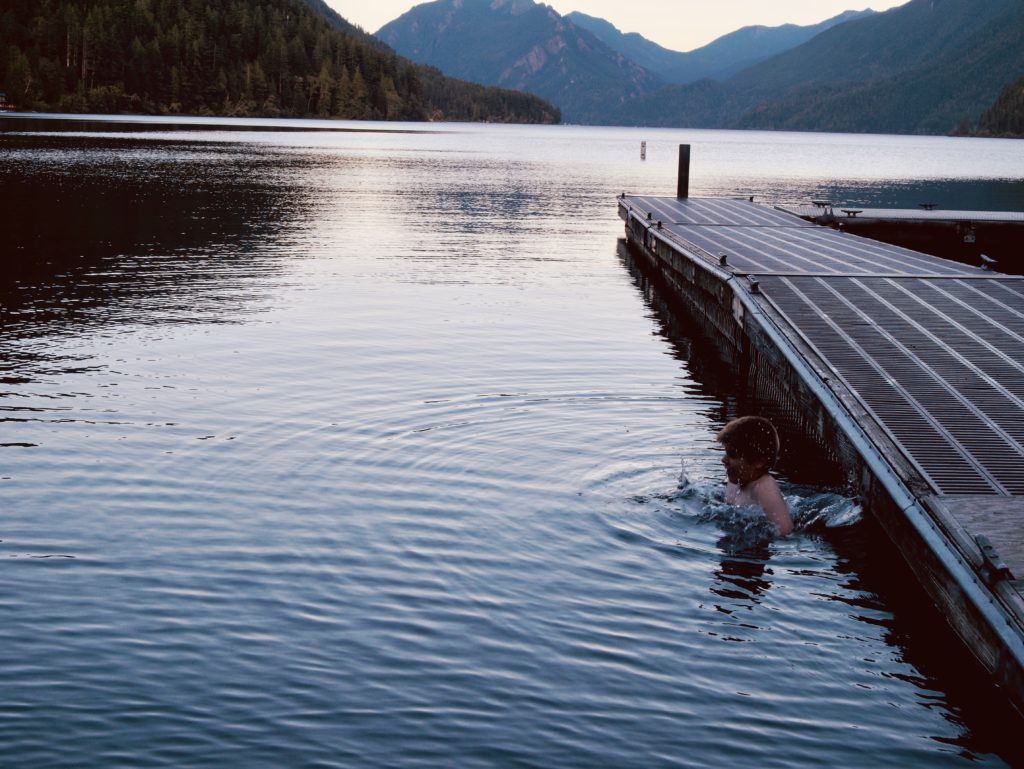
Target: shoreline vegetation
235 58
1005 118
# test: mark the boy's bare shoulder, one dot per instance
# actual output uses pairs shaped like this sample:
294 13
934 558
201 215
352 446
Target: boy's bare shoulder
768 495
765 489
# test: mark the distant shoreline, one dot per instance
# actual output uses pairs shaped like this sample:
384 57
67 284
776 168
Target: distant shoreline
196 122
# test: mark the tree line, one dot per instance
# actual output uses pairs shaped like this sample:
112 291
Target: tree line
1006 115
277 58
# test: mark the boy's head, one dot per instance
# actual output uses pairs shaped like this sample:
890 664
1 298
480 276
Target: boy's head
751 438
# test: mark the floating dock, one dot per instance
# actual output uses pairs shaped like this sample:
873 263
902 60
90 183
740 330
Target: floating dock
909 367
982 238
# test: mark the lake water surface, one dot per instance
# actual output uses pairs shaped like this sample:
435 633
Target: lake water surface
372 449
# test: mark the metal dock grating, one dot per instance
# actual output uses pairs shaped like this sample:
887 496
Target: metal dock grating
939 363
932 349
810 250
713 211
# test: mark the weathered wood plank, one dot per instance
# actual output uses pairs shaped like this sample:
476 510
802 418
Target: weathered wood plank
999 518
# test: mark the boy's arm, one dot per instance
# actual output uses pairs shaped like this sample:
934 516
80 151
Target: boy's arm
775 508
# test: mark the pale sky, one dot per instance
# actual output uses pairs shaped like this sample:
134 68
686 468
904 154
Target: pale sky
681 25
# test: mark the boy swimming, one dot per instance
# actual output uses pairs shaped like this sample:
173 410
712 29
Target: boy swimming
751 448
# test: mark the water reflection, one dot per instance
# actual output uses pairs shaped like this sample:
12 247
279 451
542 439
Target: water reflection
948 194
947 678
741 576
74 207
183 237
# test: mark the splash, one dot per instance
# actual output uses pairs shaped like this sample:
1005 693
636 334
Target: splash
746 526
813 508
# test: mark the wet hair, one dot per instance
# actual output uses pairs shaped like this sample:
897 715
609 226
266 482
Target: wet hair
752 438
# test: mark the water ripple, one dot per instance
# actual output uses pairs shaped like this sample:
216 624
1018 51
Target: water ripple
366 450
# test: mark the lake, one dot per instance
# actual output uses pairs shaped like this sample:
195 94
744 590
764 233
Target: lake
372 448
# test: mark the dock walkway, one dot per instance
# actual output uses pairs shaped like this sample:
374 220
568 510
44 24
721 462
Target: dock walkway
976 237
914 363
924 214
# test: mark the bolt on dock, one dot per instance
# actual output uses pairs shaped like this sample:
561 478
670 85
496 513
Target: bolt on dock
908 366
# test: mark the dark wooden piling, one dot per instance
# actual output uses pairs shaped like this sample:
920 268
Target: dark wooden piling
683 181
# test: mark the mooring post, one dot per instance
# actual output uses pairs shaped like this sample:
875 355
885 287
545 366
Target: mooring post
683 183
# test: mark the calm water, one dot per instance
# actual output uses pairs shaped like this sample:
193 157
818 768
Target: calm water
372 449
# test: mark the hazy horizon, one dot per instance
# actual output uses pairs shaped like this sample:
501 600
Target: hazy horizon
680 25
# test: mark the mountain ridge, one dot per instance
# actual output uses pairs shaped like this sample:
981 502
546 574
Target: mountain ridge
927 66
719 59
523 45
922 67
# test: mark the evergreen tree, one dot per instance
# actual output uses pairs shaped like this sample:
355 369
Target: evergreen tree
236 57
1006 115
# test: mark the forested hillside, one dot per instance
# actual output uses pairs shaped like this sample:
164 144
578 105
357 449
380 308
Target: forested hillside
472 102
1006 115
924 67
227 57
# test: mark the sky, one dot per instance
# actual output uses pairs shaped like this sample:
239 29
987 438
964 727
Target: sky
680 25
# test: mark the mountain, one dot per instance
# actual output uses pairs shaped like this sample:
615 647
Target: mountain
717 60
232 57
923 67
523 45
337 21
450 98
1006 115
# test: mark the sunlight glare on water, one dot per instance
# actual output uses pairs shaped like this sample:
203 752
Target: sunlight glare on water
373 449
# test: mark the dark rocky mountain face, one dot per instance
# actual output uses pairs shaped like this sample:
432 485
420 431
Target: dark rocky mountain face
523 45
